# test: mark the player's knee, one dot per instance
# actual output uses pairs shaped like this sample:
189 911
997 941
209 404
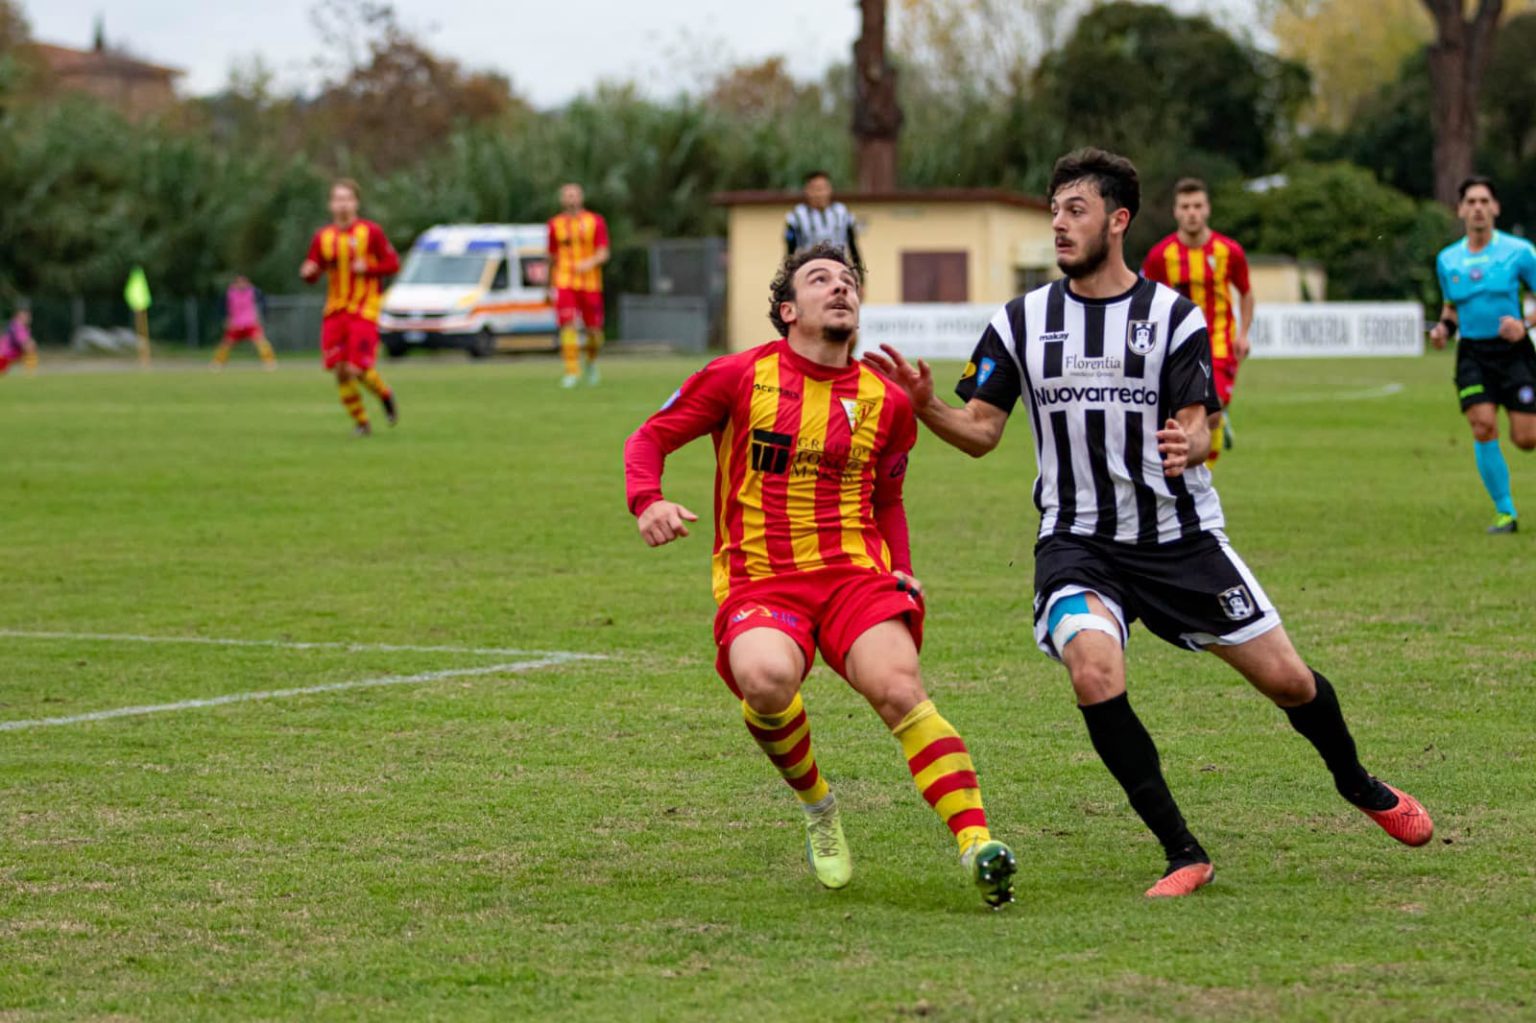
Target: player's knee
1485 429
1288 682
766 683
895 691
1094 680
1525 440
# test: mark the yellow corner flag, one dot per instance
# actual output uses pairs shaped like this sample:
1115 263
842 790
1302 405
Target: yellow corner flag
136 291
136 294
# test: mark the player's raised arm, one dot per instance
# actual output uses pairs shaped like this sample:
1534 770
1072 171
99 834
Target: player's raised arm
990 388
699 407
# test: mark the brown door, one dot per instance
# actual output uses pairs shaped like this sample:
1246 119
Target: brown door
935 277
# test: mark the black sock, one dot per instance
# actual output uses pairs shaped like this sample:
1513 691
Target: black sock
1322 723
1125 747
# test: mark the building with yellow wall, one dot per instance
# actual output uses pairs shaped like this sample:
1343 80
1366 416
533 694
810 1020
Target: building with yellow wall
945 245
981 246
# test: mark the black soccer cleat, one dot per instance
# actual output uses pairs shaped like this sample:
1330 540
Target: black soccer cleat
1504 524
391 413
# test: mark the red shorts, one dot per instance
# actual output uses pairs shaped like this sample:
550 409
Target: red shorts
242 333
828 609
589 304
349 338
1224 372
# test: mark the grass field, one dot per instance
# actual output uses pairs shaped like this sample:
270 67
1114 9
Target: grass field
506 834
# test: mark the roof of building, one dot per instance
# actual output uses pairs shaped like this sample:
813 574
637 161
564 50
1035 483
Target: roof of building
66 60
906 196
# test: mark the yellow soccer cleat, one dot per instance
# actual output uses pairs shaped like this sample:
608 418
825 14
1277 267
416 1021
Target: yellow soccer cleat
826 847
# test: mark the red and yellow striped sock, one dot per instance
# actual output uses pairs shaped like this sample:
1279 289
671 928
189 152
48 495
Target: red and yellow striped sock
221 354
352 401
786 738
570 350
264 349
941 766
595 339
376 384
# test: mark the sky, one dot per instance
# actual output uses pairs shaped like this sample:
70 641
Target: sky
551 51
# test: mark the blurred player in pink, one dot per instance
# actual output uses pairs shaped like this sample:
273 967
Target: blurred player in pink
242 322
16 342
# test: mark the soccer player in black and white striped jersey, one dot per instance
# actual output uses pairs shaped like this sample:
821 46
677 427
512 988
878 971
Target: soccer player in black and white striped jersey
819 220
1115 372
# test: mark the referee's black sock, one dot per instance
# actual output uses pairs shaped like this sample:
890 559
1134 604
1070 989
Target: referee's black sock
1125 747
1322 722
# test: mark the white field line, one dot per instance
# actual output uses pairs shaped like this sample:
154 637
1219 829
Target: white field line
1308 397
278 694
281 644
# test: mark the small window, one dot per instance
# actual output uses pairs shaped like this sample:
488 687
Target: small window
499 282
1028 278
535 271
935 277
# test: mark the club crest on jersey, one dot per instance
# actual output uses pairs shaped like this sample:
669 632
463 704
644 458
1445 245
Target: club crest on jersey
1237 603
1141 336
858 411
1527 395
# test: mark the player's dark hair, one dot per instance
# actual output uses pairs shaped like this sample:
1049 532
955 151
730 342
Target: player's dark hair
1189 186
1472 182
813 175
350 185
1113 177
783 287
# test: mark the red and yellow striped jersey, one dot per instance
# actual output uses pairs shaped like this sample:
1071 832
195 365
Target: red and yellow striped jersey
574 237
810 461
1205 275
335 249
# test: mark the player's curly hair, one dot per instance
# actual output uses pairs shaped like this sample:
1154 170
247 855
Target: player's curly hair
783 287
1112 176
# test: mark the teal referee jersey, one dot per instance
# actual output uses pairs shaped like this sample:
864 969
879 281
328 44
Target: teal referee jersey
1485 286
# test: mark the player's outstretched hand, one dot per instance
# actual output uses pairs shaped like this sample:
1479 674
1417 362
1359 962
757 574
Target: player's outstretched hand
664 522
1173 444
917 380
309 271
1438 335
1511 329
908 584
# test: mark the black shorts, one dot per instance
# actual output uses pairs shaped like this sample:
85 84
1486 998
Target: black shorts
1192 593
1498 372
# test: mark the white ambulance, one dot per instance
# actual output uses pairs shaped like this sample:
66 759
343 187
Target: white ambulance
479 287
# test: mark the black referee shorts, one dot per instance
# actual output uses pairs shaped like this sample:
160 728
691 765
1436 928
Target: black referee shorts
1497 372
1192 593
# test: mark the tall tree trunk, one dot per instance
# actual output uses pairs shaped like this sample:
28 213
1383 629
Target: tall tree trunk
1457 59
876 110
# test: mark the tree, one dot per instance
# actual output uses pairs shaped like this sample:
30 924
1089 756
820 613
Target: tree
1457 60
876 109
1374 241
1353 48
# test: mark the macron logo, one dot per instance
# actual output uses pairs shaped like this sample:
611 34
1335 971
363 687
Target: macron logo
1047 396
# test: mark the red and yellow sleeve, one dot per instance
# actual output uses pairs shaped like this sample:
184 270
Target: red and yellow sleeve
1237 268
384 260
699 407
316 255
599 232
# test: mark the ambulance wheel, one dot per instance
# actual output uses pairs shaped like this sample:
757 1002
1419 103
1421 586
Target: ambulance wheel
483 346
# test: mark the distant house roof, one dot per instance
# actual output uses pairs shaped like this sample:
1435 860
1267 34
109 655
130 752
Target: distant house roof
63 60
1000 196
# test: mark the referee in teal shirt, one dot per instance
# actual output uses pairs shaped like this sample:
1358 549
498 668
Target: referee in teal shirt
1480 280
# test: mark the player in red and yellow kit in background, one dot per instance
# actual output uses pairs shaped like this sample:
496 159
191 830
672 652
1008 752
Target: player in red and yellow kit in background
578 248
16 342
356 257
1205 266
811 552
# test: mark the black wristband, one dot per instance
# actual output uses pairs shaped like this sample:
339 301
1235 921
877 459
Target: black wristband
1449 324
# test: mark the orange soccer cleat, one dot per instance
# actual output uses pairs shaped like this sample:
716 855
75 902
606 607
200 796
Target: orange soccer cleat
1408 821
1183 880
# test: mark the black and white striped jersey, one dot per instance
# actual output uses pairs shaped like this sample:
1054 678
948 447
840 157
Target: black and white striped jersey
1100 377
805 226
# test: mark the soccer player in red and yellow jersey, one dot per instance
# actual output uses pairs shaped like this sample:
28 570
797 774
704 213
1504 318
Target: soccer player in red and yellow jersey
1204 266
356 256
811 551
578 248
